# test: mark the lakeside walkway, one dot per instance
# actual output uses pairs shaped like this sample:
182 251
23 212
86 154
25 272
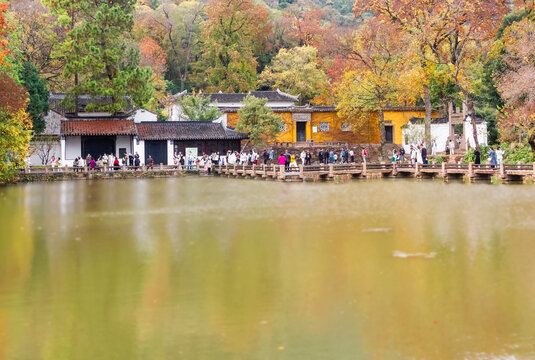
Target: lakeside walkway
469 172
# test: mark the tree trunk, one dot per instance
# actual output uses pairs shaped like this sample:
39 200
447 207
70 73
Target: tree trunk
382 133
427 119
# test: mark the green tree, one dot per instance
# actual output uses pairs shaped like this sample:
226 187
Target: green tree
296 71
198 108
38 105
258 120
98 55
236 30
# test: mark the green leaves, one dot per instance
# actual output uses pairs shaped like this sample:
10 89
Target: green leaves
38 105
198 108
258 120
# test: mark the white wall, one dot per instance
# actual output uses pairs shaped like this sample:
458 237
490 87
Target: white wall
73 147
34 157
123 142
170 152
140 149
481 133
439 133
144 115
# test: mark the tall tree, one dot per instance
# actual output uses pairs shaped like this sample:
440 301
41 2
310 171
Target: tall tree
516 83
199 108
177 29
258 120
296 71
99 57
15 125
39 39
5 29
374 81
38 96
234 32
448 32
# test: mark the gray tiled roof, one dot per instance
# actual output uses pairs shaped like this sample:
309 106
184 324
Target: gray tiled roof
274 96
186 130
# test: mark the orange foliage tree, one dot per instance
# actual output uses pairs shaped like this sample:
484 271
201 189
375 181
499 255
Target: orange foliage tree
452 33
5 29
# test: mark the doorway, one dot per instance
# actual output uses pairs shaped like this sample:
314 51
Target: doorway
158 151
98 145
301 131
389 134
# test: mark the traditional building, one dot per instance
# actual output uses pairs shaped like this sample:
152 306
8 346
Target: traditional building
162 139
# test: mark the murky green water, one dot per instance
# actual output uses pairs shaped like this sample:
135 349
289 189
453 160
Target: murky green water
201 268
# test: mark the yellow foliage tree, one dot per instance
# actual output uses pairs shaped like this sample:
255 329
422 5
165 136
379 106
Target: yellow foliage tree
378 77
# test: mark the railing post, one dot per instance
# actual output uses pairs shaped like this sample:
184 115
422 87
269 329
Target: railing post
85 169
364 167
394 169
502 169
46 169
123 168
161 166
105 168
198 166
144 168
417 169
444 170
331 170
301 170
470 169
253 172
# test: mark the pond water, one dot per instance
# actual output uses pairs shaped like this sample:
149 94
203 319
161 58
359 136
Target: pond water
213 268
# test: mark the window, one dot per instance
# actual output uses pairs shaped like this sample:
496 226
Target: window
283 127
346 126
324 126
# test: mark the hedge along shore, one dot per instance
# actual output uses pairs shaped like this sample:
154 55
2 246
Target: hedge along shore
467 172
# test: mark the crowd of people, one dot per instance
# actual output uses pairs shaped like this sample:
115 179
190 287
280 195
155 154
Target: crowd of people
417 154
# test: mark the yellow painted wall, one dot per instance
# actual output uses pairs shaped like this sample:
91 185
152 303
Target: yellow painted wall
366 134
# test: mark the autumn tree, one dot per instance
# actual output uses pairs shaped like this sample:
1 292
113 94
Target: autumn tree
15 125
5 27
38 96
258 120
39 39
296 71
198 108
234 32
452 33
177 29
373 81
516 83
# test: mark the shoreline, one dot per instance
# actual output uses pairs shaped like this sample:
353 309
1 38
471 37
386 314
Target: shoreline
467 172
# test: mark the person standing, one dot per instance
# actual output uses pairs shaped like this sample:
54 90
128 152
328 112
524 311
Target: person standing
303 157
308 158
150 162
477 156
272 155
451 146
424 154
401 154
320 156
499 155
492 157
413 155
288 158
137 162
266 157
364 154
326 157
352 156
282 160
419 155
434 148
331 157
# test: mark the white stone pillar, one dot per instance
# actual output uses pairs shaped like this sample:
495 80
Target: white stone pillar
170 152
63 150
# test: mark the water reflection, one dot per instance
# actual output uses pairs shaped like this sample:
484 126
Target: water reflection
201 268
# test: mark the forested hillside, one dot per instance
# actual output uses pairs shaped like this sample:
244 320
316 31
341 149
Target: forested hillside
363 56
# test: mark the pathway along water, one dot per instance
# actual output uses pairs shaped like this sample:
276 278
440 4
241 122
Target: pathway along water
204 268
